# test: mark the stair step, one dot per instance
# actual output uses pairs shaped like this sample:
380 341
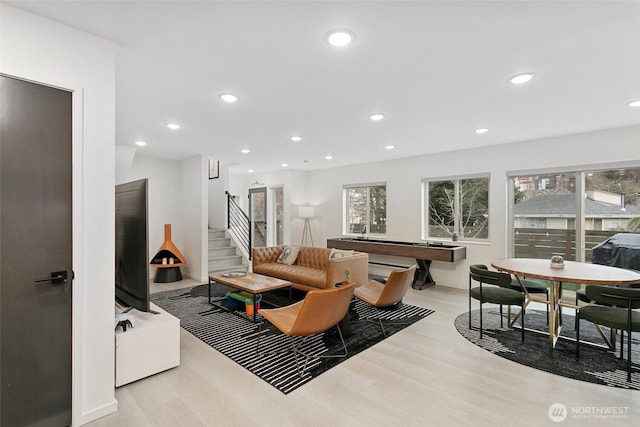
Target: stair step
221 251
228 269
216 234
224 261
220 242
222 254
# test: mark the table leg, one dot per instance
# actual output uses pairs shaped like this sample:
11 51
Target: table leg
554 321
422 278
255 308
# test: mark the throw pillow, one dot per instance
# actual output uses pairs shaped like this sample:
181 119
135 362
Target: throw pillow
337 253
289 255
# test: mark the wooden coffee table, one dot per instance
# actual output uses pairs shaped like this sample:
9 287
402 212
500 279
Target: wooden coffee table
248 282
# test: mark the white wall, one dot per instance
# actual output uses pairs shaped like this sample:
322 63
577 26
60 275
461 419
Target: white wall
164 198
193 213
404 189
217 199
177 196
45 52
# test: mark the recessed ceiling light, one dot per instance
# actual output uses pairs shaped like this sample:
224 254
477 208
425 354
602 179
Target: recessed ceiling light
521 78
228 97
481 130
376 117
389 147
250 170
340 38
173 126
245 151
140 143
296 138
634 103
284 165
328 157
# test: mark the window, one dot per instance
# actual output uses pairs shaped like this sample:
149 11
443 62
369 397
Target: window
366 209
567 213
457 208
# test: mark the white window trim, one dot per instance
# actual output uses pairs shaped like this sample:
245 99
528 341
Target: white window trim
345 208
425 197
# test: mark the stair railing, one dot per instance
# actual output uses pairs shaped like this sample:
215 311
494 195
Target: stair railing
238 224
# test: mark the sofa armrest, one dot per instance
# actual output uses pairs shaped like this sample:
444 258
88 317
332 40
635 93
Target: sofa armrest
357 264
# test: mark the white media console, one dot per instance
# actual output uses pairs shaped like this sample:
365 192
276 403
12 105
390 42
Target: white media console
152 345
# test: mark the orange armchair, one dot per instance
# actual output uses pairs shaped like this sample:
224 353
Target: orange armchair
389 294
319 311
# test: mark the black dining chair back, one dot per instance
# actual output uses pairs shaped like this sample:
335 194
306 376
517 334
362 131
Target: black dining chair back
614 296
480 273
615 308
500 293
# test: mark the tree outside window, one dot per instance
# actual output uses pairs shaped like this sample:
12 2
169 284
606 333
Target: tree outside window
458 207
366 209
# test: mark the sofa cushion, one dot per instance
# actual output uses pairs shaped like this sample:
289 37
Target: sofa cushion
317 258
294 273
289 255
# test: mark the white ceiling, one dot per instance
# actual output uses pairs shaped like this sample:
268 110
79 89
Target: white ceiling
436 69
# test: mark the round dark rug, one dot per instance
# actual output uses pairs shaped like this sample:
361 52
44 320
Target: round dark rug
595 365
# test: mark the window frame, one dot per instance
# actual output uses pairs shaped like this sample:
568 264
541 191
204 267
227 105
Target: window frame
455 179
347 206
580 217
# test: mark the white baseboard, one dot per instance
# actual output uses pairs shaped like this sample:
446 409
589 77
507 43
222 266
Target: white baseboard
99 412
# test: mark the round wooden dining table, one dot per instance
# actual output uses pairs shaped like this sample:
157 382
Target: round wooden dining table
573 272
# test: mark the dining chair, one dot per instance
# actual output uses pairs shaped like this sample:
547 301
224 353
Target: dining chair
613 307
581 297
319 311
499 293
386 295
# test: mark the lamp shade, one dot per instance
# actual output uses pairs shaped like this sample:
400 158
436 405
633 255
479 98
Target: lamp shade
305 212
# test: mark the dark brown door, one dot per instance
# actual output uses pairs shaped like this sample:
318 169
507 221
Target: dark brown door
35 254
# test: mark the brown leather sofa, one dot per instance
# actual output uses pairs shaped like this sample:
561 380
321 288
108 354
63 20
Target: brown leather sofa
312 268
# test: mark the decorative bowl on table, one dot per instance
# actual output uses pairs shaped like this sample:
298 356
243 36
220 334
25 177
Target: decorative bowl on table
235 274
557 261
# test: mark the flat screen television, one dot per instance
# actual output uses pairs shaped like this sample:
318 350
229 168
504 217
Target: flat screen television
132 245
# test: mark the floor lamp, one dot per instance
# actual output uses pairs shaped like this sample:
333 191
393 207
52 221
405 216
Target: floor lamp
307 213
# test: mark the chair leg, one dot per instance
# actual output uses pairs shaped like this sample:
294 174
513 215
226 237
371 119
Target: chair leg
622 342
522 322
406 316
628 354
575 325
577 334
480 319
307 356
469 311
501 316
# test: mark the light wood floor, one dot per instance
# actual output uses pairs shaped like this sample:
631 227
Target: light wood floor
426 375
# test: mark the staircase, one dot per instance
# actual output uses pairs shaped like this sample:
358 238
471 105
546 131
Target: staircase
223 256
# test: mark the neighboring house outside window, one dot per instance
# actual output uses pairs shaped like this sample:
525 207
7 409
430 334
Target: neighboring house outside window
365 209
558 213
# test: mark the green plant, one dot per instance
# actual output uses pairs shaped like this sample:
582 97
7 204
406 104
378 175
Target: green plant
634 224
346 275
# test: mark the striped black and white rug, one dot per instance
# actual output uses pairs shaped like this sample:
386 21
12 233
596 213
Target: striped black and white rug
236 337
